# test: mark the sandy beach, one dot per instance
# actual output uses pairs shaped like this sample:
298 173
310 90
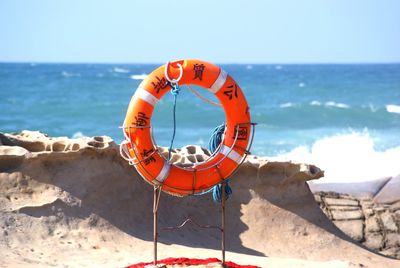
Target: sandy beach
77 203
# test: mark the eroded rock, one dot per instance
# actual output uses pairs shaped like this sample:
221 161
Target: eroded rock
374 225
353 228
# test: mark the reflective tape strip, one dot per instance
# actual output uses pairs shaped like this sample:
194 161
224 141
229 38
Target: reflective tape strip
146 96
163 173
231 154
219 82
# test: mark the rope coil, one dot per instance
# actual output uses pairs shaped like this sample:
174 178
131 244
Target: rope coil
213 143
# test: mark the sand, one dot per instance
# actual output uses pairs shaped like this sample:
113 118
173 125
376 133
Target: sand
77 203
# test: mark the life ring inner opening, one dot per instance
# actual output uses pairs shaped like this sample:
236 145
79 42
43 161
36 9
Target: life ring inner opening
195 121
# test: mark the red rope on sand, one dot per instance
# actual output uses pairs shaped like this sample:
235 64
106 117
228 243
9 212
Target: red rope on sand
187 261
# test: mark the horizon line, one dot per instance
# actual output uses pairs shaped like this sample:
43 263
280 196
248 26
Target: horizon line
222 63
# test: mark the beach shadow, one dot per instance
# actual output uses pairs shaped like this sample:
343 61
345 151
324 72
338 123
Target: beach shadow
111 189
123 199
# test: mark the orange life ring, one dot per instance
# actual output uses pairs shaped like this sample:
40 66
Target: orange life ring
143 153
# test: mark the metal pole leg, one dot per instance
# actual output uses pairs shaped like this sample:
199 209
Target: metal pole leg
156 200
223 223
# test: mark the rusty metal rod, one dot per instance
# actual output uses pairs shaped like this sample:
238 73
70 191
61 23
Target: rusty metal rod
156 199
223 223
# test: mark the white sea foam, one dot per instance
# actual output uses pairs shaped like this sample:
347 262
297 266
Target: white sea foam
348 158
391 108
336 104
286 105
315 103
121 70
138 76
77 135
302 84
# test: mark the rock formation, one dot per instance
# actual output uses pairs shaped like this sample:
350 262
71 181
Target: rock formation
76 202
375 225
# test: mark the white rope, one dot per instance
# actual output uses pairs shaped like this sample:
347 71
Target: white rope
203 98
124 152
123 148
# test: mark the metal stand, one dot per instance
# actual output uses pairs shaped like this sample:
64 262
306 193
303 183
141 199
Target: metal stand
130 152
156 202
223 223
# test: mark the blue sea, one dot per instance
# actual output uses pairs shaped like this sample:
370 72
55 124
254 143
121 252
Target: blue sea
345 118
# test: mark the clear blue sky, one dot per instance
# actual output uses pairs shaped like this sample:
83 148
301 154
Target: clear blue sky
282 31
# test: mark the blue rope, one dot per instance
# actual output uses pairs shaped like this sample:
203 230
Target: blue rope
217 192
216 138
213 143
175 90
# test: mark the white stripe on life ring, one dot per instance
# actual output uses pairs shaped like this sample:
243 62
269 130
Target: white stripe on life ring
219 82
231 154
143 94
164 172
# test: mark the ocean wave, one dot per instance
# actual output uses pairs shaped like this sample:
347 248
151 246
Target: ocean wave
77 135
391 108
67 74
120 70
336 104
348 157
330 104
315 103
138 76
286 105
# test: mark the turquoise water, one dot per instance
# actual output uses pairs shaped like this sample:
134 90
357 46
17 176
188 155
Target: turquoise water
295 106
